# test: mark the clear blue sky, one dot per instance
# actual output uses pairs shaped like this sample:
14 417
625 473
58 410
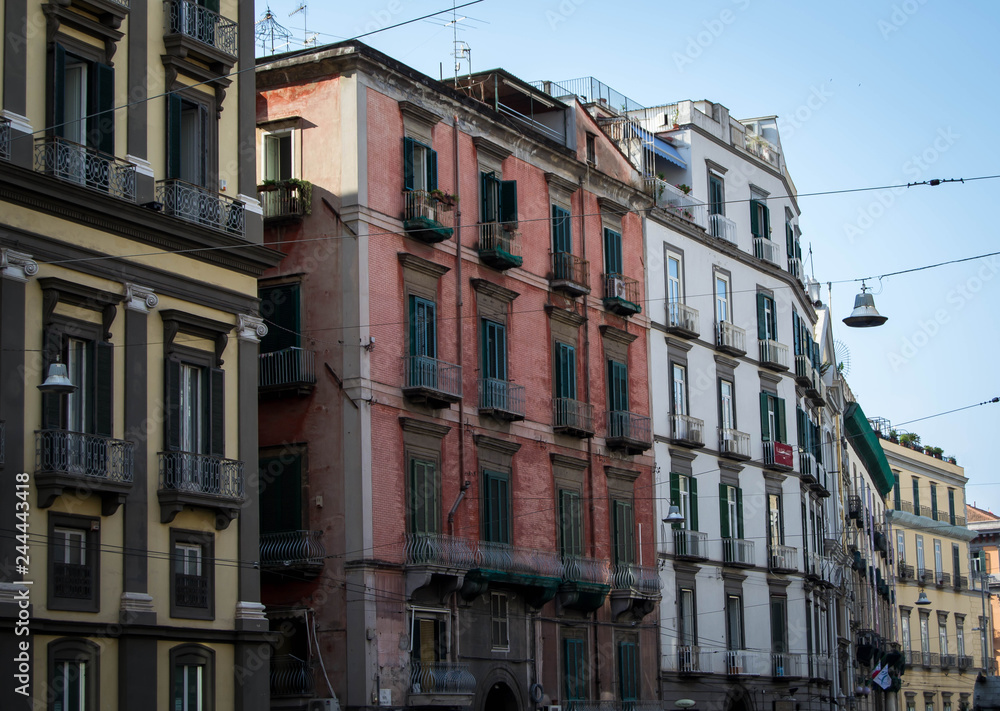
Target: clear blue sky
868 94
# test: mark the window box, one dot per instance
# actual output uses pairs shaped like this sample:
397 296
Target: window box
82 463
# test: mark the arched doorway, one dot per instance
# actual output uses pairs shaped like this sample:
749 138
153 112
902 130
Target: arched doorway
739 700
500 698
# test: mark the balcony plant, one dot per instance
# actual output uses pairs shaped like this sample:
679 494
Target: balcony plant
910 439
447 200
935 452
304 188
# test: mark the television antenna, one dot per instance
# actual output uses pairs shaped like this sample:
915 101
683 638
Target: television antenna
268 31
306 38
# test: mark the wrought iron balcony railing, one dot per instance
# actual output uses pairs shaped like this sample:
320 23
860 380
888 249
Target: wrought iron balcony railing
517 560
201 474
621 295
73 163
290 676
190 19
501 398
83 455
195 204
579 569
737 551
430 379
964 662
734 444
3 442
425 217
690 544
854 507
570 273
773 354
500 245
289 367
961 582
628 430
438 549
190 590
687 659
766 249
283 200
783 558
639 579
4 138
682 320
287 549
723 228
943 579
730 338
73 581
441 678
572 416
687 431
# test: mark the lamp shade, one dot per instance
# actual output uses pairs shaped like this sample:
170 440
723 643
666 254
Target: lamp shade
865 315
674 515
922 599
57 380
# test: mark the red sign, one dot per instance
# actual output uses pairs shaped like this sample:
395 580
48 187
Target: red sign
783 454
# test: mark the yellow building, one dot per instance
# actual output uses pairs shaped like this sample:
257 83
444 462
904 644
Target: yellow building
130 243
939 618
985 572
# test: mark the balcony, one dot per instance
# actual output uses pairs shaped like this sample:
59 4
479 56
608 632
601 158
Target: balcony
773 355
943 580
762 148
4 138
436 559
199 33
795 268
686 659
202 480
425 218
803 370
786 666
570 274
964 662
854 509
821 668
737 552
722 227
743 663
586 583
730 339
440 684
538 573
767 250
807 467
629 432
292 550
924 575
905 572
734 444
675 201
687 431
961 582
196 204
949 661
682 320
880 542
84 464
500 245
690 545
778 456
290 676
572 417
72 581
72 163
635 589
621 295
431 381
290 369
783 559
501 399
284 201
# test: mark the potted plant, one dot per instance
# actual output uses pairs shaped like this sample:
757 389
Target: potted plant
894 436
684 188
951 460
910 439
447 200
935 452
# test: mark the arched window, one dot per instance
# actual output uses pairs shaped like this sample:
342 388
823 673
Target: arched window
73 674
192 678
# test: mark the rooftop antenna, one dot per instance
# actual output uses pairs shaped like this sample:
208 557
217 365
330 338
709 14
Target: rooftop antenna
304 9
267 30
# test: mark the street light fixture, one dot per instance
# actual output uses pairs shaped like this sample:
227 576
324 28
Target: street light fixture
865 315
57 380
922 599
674 515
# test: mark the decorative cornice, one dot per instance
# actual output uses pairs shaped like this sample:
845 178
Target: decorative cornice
562 460
423 427
491 149
56 290
175 322
495 290
612 206
503 446
769 377
17 265
726 362
726 465
558 182
678 344
250 328
566 316
424 266
419 114
685 455
712 165
617 335
612 472
139 298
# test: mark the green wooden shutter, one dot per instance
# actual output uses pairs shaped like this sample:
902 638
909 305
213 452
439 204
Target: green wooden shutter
781 435
490 197
57 89
675 494
761 316
575 656
951 507
612 252
281 484
561 231
983 563
496 508
431 157
423 335
101 121
693 497
624 532
715 206
216 412
171 405
508 201
212 5
494 350
896 503
789 240
628 671
617 386
755 218
796 334
104 375
423 497
175 106
52 349
766 227
408 181
765 433
565 371
724 510
739 512
571 524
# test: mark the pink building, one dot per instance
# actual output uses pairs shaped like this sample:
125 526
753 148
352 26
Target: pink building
456 496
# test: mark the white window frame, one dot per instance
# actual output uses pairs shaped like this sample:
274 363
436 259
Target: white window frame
732 511
938 560
920 552
723 303
74 540
188 553
678 388
727 404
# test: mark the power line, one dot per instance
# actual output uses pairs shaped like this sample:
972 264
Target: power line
948 412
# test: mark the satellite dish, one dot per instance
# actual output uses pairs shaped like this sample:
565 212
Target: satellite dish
843 355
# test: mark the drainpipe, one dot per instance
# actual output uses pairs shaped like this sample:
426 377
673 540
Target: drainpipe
456 637
451 514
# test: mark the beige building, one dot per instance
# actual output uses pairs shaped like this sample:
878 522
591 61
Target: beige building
939 611
985 552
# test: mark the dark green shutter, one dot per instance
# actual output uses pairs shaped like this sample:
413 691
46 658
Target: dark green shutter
280 307
765 432
761 316
781 435
612 252
916 496
624 532
715 206
423 497
432 169
175 107
57 87
739 512
724 510
423 336
104 373
408 181
896 503
494 350
508 202
934 506
496 508
628 672
617 386
796 334
561 235
693 502
766 227
101 121
956 562
281 485
171 405
575 656
789 240
565 371
490 197
570 517
675 494
212 5
755 218
951 507
216 414
51 402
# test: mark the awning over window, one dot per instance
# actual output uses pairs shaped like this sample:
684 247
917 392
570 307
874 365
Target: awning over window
868 448
669 152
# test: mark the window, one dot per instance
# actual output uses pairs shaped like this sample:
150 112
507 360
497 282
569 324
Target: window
772 418
904 630
943 636
280 308
727 409
613 263
281 487
565 375
678 400
430 641
499 621
684 495
723 313
190 138
956 562
195 411
570 523
938 562
896 503
675 289
496 507
925 637
716 199
734 622
617 389
916 496
423 328
74 675
731 511
951 506
499 199
278 156
592 149
562 233
81 104
760 218
686 633
624 532
920 551
192 678
934 506
911 705
775 520
192 589
575 668
424 508
779 625
628 671
74 563
767 320
901 546
494 342
960 635
419 166
88 410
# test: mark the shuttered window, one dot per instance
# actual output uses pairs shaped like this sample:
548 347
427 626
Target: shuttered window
772 418
496 507
628 671
624 532
575 668
562 236
281 484
565 375
498 199
613 252
570 523
424 508
419 166
280 308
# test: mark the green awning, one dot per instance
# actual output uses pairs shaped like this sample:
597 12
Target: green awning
868 447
